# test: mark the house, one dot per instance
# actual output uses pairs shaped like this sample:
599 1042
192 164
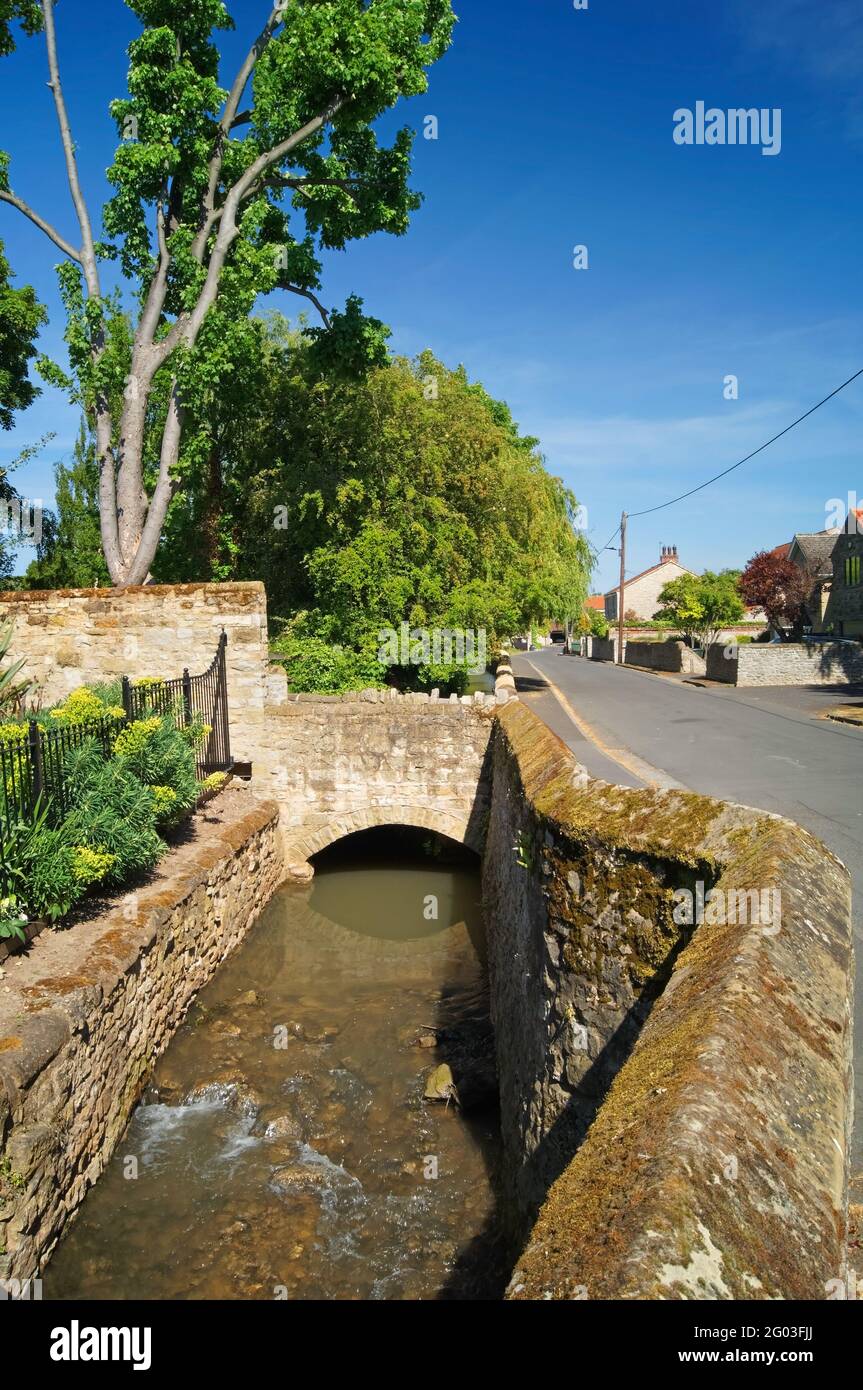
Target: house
812 552
844 610
641 592
596 601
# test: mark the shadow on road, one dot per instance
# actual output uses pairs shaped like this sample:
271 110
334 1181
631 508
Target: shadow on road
527 685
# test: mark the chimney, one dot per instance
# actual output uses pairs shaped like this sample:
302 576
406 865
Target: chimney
669 555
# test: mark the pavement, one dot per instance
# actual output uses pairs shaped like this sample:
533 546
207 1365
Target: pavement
772 748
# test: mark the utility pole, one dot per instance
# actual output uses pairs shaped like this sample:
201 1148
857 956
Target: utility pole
620 590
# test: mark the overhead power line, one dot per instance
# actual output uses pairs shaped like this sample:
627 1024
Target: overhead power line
648 511
724 474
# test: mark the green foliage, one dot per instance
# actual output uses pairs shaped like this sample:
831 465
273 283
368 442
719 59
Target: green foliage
595 623
69 555
700 606
118 803
13 919
43 871
52 887
351 346
402 494
25 12
159 755
112 812
450 678
327 68
12 691
21 317
82 706
314 665
16 833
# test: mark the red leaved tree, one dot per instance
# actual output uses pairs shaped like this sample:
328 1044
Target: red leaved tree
781 588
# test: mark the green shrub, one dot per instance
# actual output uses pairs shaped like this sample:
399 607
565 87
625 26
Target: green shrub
214 783
317 667
44 871
450 678
13 919
14 867
112 812
53 887
82 706
160 755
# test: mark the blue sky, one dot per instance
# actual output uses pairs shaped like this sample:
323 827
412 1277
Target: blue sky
555 129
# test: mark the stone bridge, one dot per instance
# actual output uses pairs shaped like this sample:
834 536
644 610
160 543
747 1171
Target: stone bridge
333 764
341 764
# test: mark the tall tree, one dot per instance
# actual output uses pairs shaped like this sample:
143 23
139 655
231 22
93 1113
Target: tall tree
219 197
21 317
69 554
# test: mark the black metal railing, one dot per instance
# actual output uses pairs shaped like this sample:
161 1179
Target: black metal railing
190 699
33 767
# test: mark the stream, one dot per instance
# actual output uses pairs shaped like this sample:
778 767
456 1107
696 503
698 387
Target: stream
284 1148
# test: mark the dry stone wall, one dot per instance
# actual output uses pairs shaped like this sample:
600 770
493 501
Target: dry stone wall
664 656
712 1063
787 663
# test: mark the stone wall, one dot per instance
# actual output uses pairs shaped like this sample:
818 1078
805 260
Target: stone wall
601 648
787 663
664 656
344 763
72 637
721 663
84 1016
686 1092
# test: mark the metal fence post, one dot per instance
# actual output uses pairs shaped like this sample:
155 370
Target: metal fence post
126 686
187 693
223 682
37 776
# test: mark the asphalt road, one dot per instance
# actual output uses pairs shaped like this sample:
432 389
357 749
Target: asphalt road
765 748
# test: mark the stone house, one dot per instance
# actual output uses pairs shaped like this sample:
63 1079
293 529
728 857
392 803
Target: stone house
844 610
641 592
812 552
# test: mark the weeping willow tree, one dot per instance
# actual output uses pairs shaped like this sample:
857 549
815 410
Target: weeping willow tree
405 494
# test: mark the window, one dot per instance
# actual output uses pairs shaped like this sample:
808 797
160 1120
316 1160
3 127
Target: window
852 571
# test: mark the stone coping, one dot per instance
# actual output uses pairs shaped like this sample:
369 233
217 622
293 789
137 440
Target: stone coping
716 1167
233 591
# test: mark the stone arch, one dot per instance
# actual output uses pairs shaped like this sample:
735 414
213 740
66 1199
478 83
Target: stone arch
454 824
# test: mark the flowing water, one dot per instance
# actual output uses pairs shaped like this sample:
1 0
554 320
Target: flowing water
285 1148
